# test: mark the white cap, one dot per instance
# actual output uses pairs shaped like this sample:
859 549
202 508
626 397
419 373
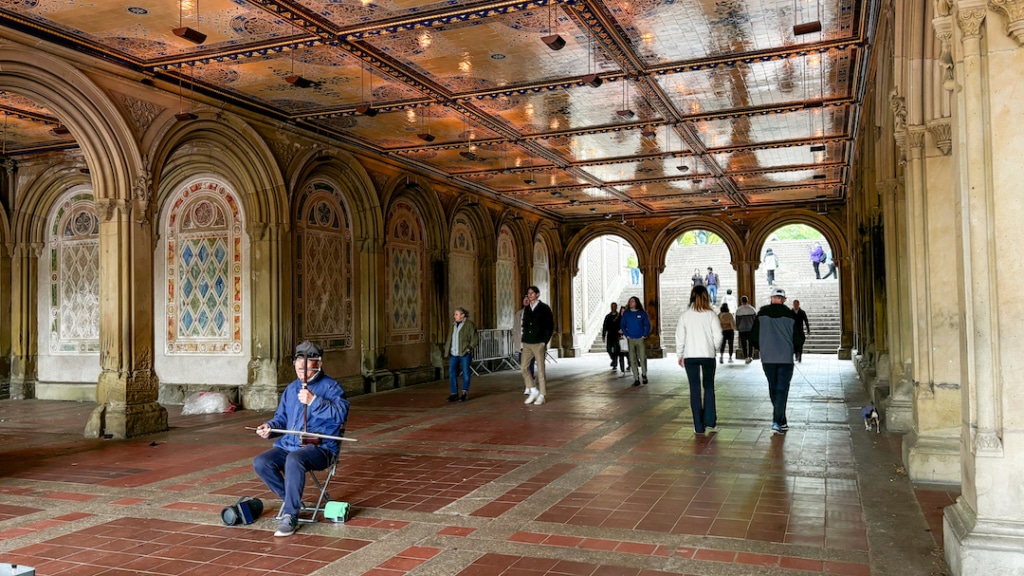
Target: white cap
778 292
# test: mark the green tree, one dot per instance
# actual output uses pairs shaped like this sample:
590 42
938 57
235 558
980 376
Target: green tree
796 232
698 237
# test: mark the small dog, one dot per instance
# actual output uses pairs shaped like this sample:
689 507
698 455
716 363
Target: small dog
870 416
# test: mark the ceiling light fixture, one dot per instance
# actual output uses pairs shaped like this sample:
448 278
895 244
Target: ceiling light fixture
366 108
553 40
426 136
60 130
182 31
648 132
591 79
299 81
625 112
818 148
183 115
808 26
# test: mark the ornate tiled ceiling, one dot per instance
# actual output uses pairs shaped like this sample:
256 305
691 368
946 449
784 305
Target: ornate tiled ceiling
702 104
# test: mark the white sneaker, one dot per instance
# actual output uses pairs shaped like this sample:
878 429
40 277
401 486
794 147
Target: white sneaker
526 392
749 360
539 400
534 393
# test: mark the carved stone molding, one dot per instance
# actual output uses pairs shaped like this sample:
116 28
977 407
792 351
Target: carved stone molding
1014 12
140 113
258 231
915 137
107 208
898 105
988 442
943 26
970 21
10 165
142 193
942 134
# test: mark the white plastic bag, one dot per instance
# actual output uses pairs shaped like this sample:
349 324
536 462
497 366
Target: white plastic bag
207 403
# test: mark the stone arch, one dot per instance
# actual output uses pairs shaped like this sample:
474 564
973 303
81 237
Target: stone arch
762 228
234 151
580 240
100 130
422 195
356 186
39 196
482 225
663 242
508 276
204 304
464 265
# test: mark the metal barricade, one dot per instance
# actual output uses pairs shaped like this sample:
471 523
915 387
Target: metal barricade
493 351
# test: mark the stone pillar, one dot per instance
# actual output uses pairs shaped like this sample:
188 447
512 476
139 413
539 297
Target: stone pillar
563 310
845 351
24 324
128 387
899 405
917 255
984 531
272 330
745 274
5 320
372 315
652 305
488 293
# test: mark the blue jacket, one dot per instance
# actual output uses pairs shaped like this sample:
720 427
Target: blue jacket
326 415
635 323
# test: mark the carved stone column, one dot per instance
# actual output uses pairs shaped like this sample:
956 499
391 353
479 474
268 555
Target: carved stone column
1013 10
897 318
5 320
563 310
984 531
845 351
23 326
652 305
272 331
372 315
917 228
745 279
128 387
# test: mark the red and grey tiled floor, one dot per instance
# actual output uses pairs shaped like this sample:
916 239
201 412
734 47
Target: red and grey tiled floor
603 480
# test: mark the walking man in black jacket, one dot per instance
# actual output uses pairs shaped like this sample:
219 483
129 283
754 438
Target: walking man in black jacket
538 326
610 333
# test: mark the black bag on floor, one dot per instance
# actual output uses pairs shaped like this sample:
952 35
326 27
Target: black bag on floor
245 511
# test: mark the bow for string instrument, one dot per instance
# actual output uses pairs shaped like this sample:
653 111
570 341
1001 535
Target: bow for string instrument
305 437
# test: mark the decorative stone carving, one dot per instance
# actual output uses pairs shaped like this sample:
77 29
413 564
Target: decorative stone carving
140 113
10 165
281 150
943 26
106 208
988 442
142 193
942 134
258 231
915 137
898 105
1014 12
970 21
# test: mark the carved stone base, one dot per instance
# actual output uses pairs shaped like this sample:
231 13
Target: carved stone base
570 352
845 353
655 352
118 420
981 546
899 414
22 389
933 457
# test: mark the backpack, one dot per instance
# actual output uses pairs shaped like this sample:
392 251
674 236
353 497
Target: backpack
823 258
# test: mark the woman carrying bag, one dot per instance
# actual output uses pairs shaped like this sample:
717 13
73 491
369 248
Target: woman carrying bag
698 337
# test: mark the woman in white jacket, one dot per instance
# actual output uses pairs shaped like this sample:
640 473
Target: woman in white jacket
698 337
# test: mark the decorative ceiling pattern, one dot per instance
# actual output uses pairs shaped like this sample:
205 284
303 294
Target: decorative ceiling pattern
648 106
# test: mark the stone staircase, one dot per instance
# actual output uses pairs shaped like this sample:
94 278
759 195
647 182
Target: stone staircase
819 298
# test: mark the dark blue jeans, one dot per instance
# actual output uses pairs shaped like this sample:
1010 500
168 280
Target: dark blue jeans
285 472
453 372
779 376
703 411
611 344
713 292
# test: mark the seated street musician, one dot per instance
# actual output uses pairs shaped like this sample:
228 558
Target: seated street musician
314 403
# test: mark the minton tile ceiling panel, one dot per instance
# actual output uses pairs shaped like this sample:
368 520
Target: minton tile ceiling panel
777 157
643 169
613 144
752 130
338 78
664 31
141 29
574 108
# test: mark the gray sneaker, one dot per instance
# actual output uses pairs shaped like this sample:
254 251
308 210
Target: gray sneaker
289 524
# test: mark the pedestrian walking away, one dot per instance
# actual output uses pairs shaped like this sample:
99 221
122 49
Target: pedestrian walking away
745 316
771 263
776 335
728 333
801 323
817 258
698 336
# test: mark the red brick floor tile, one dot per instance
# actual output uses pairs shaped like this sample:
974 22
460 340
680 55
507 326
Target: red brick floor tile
847 568
757 559
792 563
636 548
456 531
714 555
566 541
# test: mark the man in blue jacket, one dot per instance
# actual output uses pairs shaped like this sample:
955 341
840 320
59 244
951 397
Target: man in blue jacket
315 403
776 334
635 326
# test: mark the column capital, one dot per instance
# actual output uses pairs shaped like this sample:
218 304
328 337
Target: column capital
1014 12
915 137
970 18
108 208
942 134
898 105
